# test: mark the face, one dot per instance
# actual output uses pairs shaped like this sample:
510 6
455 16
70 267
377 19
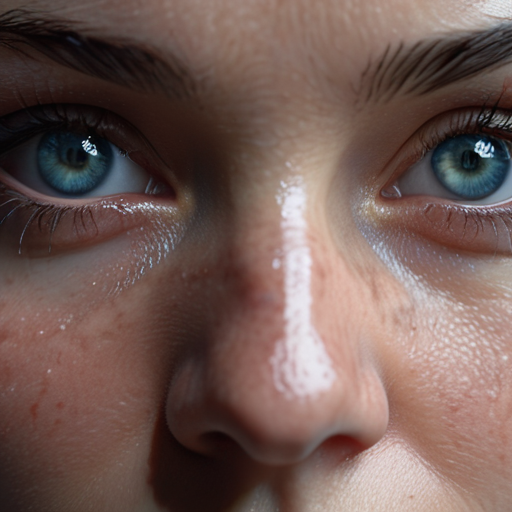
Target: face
255 255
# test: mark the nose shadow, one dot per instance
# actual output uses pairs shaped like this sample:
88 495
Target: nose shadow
184 481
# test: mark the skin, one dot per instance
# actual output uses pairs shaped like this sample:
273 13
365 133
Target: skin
373 376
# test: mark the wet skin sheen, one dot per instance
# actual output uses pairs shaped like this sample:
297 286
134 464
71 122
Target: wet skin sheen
281 323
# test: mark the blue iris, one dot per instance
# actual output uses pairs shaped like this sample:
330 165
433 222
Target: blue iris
471 166
72 163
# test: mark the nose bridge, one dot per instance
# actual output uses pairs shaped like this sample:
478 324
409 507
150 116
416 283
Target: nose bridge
275 268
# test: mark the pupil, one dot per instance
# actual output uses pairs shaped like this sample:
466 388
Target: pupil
75 157
470 161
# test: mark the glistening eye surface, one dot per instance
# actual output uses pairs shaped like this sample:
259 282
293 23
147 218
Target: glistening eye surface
69 164
474 168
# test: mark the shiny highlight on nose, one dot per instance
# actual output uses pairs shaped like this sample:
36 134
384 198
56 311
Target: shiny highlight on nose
301 365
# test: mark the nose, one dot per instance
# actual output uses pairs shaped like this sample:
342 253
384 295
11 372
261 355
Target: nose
284 362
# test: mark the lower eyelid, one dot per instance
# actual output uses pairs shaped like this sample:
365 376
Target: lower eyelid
37 230
478 230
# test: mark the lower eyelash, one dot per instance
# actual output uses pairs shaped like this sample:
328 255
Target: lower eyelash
476 222
38 228
46 216
478 230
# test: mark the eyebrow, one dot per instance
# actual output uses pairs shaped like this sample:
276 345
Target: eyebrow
421 68
433 63
120 62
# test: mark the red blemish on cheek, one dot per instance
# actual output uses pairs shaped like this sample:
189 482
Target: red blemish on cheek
33 411
34 408
60 405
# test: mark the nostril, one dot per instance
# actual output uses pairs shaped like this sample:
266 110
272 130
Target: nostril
281 450
218 445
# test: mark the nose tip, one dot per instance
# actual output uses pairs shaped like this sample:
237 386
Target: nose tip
286 433
279 443
241 395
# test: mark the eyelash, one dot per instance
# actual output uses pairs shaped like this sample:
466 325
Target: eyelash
17 128
47 216
492 121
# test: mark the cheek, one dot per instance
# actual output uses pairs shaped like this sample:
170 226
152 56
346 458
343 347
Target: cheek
450 391
82 374
71 399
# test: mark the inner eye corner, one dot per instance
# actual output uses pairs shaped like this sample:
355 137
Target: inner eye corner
390 191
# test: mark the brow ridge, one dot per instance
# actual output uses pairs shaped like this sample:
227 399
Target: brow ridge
120 62
436 62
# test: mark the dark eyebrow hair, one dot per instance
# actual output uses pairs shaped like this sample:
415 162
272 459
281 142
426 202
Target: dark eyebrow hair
434 63
120 62
421 68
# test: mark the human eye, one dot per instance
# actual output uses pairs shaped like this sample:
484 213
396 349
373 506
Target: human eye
456 188
64 163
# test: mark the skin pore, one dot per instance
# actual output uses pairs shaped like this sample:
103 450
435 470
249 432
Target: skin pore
280 321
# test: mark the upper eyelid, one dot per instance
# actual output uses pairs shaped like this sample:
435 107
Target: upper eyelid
25 123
